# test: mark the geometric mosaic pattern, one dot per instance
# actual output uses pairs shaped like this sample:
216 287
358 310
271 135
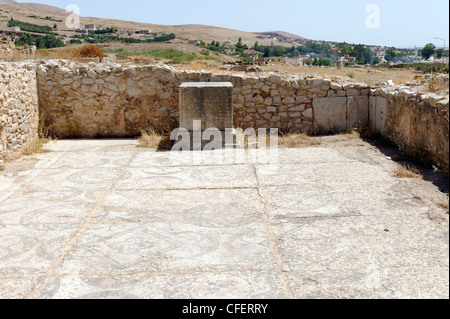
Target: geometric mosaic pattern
105 219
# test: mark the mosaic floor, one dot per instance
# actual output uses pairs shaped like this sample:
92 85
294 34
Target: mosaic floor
105 219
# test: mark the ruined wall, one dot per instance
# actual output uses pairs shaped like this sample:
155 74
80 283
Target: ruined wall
18 106
7 47
417 122
111 100
9 51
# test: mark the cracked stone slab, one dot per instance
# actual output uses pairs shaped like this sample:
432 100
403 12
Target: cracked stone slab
105 219
187 177
182 285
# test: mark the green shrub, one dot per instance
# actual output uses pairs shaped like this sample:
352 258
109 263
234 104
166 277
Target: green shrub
29 27
25 38
51 19
164 38
49 41
431 67
169 54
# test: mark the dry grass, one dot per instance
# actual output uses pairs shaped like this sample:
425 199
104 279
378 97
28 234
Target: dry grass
87 51
289 140
209 65
155 140
445 206
67 54
398 76
407 171
14 58
34 146
293 140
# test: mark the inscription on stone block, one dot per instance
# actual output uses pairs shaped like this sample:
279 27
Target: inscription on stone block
208 102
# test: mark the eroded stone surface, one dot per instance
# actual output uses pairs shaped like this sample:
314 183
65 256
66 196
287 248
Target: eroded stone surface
330 114
209 103
19 114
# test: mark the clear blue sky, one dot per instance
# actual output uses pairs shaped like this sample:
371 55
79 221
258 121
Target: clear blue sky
403 23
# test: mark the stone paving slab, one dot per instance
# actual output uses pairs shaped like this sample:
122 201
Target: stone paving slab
105 219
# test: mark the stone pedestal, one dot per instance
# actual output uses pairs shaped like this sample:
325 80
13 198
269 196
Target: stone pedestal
211 105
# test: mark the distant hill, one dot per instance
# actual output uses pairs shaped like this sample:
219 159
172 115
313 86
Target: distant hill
26 11
282 34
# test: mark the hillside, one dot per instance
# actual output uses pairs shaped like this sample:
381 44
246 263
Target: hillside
23 11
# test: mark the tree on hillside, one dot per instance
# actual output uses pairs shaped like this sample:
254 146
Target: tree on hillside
294 53
279 51
240 46
48 42
375 60
439 53
428 51
346 49
25 38
391 54
358 52
368 55
324 62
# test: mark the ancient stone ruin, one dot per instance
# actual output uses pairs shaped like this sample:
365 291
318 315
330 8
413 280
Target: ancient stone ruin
19 113
95 100
9 50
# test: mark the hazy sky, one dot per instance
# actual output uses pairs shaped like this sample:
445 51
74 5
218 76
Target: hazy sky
402 23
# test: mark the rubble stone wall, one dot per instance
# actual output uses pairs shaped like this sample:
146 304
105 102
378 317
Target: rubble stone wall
111 100
9 50
19 108
91 100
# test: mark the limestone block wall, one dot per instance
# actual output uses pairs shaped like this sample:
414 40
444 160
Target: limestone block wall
112 100
19 117
416 121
